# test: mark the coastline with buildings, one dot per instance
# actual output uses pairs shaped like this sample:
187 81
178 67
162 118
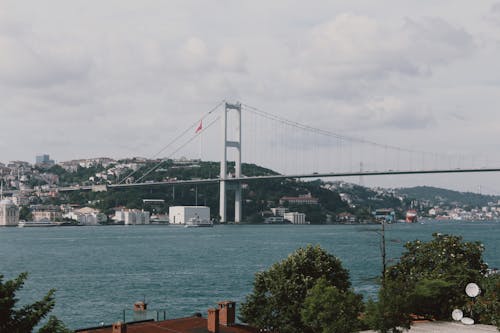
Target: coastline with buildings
30 194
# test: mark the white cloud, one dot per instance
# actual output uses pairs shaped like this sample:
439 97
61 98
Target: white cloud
119 78
351 54
231 59
25 64
494 14
194 54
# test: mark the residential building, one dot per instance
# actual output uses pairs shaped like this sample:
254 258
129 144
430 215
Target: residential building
20 199
346 217
46 213
44 160
305 199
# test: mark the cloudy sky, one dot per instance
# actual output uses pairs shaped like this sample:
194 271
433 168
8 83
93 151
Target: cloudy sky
121 78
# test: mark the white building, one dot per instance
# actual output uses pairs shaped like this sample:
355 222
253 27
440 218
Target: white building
279 211
295 217
9 213
86 216
132 216
183 214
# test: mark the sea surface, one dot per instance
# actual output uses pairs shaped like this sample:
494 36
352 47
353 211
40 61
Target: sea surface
101 271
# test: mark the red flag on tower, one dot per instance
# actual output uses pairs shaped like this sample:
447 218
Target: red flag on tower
199 128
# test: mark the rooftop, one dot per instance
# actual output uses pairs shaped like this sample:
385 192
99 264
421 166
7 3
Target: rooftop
193 324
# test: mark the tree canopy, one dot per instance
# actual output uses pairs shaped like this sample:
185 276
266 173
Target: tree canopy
429 280
279 293
330 310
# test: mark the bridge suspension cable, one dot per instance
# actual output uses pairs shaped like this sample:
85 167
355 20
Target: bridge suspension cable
156 166
325 132
346 144
178 137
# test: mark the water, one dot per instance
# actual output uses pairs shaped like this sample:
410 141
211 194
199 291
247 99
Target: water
99 271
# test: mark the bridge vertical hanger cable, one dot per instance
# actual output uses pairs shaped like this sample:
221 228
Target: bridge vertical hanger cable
409 159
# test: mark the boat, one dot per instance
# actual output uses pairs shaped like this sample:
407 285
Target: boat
23 224
196 222
411 216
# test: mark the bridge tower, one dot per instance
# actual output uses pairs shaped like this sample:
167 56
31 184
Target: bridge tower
223 165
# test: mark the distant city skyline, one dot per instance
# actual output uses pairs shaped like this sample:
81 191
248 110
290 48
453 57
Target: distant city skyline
80 79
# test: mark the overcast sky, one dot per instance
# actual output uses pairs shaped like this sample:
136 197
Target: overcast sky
120 78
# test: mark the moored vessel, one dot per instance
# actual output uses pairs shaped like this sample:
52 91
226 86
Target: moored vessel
196 222
23 224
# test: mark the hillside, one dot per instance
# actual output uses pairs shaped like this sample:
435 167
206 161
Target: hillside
333 197
443 197
259 196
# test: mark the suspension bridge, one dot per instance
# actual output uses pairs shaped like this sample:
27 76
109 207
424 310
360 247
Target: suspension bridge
294 149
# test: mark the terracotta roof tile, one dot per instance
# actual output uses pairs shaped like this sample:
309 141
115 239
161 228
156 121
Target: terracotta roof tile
179 325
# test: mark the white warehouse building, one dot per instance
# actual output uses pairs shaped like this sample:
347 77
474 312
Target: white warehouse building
189 214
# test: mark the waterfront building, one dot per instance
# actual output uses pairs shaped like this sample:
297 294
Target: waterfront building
385 214
9 213
279 211
86 216
42 213
295 217
185 214
131 216
346 217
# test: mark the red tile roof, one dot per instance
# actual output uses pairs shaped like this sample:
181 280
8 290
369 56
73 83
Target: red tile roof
179 325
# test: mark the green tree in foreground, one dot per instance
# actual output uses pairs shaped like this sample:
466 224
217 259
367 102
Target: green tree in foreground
279 293
24 319
329 310
429 281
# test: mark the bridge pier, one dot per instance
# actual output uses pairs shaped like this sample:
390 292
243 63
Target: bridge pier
223 166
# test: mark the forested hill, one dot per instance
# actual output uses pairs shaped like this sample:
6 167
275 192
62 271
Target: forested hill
440 196
334 198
